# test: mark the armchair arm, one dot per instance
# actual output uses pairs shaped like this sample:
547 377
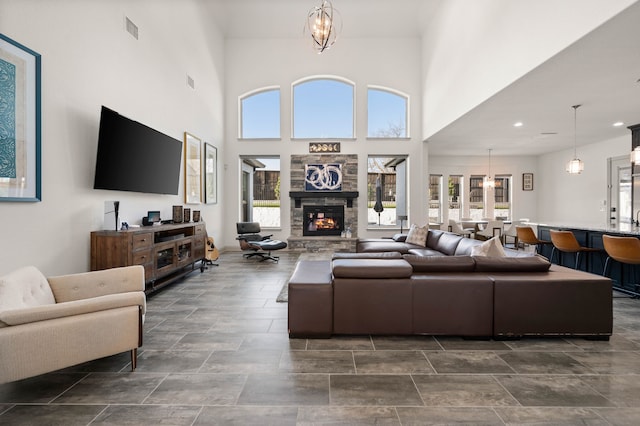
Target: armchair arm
69 309
97 283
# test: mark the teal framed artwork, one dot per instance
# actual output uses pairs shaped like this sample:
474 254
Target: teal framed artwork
20 122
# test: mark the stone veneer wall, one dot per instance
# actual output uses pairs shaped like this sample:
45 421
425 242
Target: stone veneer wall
349 183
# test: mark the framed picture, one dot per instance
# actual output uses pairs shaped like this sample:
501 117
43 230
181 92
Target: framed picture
323 177
210 174
20 135
527 181
192 167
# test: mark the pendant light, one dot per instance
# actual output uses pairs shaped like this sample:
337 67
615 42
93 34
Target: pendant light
575 166
488 181
324 24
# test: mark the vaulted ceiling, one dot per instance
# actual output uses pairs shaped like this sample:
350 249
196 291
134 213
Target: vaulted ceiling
601 72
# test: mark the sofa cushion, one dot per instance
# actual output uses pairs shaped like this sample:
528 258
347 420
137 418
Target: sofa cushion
440 263
371 268
417 235
491 248
368 255
511 264
23 288
433 237
465 245
401 238
448 242
425 252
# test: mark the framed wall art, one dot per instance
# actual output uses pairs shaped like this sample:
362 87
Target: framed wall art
527 181
192 169
210 174
20 118
323 177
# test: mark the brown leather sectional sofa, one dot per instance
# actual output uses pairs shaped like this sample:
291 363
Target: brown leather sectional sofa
389 293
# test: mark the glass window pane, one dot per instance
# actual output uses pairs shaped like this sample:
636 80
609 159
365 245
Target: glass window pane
476 197
323 109
502 197
387 114
386 204
260 117
435 199
264 195
455 198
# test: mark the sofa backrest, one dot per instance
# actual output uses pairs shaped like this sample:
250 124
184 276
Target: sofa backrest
440 263
465 245
433 236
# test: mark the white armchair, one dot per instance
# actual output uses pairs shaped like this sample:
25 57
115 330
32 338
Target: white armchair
54 323
457 229
494 228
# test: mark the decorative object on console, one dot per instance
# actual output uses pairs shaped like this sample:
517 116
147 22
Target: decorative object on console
111 213
196 215
187 215
418 235
575 166
177 214
323 177
324 24
20 152
210 174
192 168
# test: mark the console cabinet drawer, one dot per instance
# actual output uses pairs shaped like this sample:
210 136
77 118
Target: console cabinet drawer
142 241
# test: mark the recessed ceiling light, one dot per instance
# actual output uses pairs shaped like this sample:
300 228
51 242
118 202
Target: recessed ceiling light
518 124
618 124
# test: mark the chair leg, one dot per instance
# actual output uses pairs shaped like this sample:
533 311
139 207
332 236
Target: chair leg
553 250
134 358
606 264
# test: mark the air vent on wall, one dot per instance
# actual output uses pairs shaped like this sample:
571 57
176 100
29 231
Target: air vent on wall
191 82
132 28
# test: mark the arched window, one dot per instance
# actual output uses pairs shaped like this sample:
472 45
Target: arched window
260 114
323 108
388 113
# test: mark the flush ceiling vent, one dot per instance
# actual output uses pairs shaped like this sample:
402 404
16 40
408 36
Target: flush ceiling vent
131 27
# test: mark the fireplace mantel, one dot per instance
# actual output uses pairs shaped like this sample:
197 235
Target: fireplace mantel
298 196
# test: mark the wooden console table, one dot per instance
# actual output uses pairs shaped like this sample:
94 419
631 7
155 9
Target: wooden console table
167 252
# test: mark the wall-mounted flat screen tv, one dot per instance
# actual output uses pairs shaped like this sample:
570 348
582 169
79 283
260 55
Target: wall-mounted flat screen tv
135 157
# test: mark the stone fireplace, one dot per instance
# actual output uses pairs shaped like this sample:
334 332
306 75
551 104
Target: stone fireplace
313 209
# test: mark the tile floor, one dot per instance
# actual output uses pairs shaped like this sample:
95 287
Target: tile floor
216 351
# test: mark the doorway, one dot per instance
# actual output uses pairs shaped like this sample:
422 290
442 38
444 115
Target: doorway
620 191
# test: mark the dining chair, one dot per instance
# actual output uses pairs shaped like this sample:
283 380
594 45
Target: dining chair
493 228
457 229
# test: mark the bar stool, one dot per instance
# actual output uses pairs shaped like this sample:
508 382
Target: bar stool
527 236
566 242
625 250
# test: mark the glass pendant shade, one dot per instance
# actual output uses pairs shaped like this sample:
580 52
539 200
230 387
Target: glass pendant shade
575 166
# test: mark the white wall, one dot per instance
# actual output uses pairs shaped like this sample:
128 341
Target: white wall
251 64
88 60
523 202
577 199
473 49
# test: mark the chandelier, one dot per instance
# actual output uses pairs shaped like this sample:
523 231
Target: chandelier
323 23
575 166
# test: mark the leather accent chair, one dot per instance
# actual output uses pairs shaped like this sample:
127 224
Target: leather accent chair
527 236
258 245
566 242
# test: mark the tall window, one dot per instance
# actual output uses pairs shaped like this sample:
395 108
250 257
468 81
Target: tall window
435 198
323 108
476 197
388 113
260 114
454 188
502 207
386 190
260 192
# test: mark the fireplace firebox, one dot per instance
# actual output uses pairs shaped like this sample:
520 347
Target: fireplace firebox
322 220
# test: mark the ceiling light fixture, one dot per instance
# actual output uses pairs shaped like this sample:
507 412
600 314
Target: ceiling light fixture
488 181
575 166
618 124
518 124
324 23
